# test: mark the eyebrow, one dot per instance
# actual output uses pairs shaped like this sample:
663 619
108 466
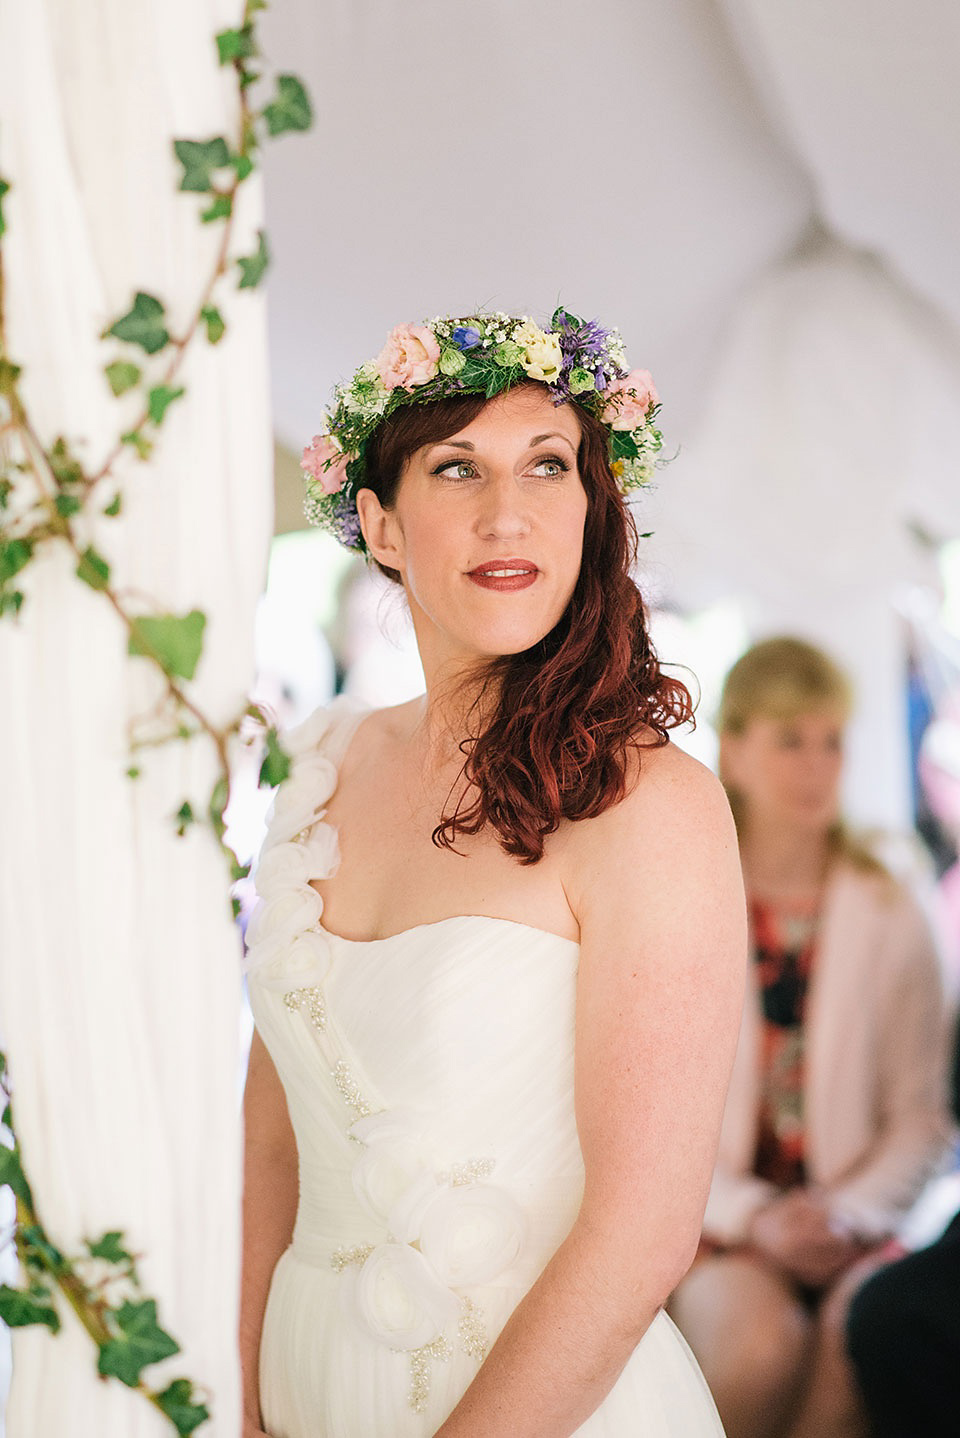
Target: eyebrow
465 443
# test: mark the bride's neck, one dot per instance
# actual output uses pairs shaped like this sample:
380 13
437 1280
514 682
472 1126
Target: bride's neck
455 708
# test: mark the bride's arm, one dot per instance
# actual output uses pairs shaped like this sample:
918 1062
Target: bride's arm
663 945
270 1187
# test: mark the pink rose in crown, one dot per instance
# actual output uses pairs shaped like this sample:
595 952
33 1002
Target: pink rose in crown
409 358
314 461
629 400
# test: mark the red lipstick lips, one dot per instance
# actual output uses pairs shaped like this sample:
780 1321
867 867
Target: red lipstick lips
504 575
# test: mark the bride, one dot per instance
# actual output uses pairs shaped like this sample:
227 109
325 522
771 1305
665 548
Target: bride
497 965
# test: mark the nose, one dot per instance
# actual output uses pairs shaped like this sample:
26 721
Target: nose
504 509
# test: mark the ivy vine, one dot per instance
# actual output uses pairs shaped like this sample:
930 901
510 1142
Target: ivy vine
48 498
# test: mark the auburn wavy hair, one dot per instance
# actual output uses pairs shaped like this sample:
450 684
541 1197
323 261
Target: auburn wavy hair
561 718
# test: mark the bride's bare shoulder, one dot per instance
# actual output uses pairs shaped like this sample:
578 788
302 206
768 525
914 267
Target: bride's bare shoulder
671 792
675 813
381 732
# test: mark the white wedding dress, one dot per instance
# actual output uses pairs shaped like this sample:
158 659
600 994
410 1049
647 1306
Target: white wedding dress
429 1079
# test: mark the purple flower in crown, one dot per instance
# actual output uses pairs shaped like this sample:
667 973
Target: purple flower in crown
345 523
466 337
582 344
586 358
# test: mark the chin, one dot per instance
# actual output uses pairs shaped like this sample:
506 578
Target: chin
500 646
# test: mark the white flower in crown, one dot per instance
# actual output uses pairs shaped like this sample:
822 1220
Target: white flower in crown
397 1299
542 355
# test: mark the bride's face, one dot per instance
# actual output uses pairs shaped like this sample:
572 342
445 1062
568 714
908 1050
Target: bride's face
487 529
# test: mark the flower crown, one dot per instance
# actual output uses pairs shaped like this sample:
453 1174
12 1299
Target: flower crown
481 354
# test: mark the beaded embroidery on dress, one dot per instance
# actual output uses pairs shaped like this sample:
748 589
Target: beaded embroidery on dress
429 1079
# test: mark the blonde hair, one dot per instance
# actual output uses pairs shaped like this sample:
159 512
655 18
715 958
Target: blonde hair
782 678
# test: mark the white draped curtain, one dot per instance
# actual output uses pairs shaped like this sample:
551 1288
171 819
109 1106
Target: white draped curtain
119 995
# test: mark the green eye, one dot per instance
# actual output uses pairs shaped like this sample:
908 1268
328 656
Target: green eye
455 469
551 468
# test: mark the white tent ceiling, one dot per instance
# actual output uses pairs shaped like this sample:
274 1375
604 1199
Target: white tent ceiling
763 196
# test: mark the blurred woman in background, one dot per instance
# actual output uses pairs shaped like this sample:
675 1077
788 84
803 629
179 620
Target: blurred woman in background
836 1114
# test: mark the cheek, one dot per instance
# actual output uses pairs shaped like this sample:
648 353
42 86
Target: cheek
571 530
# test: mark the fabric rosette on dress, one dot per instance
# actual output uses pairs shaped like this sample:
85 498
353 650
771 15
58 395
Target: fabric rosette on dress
446 1230
286 946
467 1229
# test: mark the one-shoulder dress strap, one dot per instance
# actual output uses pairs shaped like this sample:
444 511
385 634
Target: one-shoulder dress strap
327 731
286 947
316 749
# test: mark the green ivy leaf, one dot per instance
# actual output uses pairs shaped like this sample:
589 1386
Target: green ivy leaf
178 1404
622 444
11 602
19 1310
93 569
184 817
109 1246
243 166
219 799
40 1248
15 554
198 158
140 1342
143 325
121 376
66 469
221 209
139 442
235 906
114 507
276 764
160 399
9 374
238 871
6 489
12 1174
236 44
67 505
214 322
4 190
291 109
253 267
175 641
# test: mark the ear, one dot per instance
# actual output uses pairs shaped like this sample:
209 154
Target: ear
381 530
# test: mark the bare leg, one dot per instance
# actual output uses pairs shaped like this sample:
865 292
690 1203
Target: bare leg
831 1406
750 1334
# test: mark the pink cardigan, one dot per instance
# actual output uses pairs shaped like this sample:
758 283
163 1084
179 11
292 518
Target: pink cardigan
876 1118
